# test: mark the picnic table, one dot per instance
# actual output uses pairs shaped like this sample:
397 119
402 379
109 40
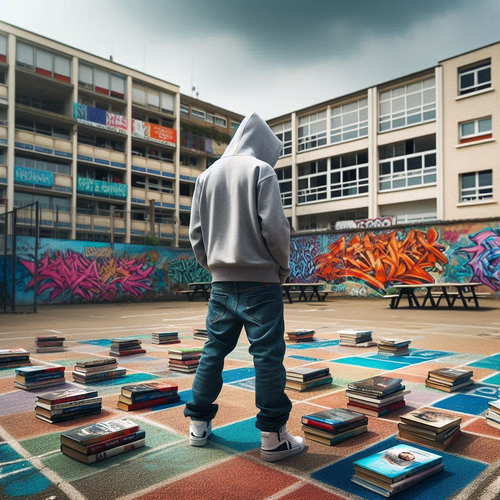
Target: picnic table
301 289
435 293
202 287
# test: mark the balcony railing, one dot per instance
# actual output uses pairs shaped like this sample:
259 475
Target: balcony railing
196 142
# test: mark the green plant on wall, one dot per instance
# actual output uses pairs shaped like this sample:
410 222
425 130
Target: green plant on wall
209 132
152 240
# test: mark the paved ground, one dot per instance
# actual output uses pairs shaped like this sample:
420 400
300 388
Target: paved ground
32 467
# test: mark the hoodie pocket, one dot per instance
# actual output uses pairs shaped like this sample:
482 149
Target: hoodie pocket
262 307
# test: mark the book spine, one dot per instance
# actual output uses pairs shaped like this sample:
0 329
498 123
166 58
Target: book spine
43 371
102 375
42 378
322 424
410 481
76 409
74 398
155 402
117 451
15 359
106 445
152 396
75 404
96 369
317 383
61 417
309 377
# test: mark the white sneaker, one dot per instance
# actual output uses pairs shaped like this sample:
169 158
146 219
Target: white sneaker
199 430
280 444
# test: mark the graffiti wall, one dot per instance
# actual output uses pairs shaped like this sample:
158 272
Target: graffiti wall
369 262
79 271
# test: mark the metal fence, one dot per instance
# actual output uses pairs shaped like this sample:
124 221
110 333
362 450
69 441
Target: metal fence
22 221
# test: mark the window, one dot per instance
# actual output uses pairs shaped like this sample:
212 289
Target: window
283 132
152 98
475 78
349 121
185 110
407 164
46 202
3 48
44 62
2 156
234 127
349 175
220 121
186 189
3 76
476 186
52 105
46 164
198 114
42 128
3 116
101 142
408 105
312 131
118 110
285 182
190 161
476 130
167 103
102 81
313 181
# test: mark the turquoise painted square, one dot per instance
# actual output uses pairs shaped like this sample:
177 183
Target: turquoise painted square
8 454
241 436
464 403
369 363
21 480
495 379
492 363
185 396
229 376
317 344
458 473
248 384
131 378
305 358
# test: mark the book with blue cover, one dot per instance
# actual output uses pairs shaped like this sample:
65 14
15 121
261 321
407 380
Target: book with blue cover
335 420
397 463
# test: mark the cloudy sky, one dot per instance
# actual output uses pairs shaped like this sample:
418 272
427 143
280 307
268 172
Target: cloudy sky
269 56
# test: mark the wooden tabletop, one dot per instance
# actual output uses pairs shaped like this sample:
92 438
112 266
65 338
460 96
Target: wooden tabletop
439 285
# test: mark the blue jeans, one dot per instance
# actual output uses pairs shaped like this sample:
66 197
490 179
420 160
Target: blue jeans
259 308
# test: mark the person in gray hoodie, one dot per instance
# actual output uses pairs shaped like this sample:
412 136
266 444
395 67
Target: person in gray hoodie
240 234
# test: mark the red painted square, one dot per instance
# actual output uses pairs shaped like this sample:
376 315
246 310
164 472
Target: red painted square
311 492
234 479
480 426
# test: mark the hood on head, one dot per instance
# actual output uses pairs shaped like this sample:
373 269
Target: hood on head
255 138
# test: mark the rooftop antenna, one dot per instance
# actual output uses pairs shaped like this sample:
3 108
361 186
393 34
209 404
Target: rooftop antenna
111 58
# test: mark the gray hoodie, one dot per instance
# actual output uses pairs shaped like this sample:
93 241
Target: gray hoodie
238 229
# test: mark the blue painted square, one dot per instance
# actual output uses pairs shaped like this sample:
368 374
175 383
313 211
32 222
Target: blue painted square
493 363
241 436
464 403
317 344
21 479
8 454
245 384
98 342
369 363
458 473
495 379
484 390
185 397
229 376
305 358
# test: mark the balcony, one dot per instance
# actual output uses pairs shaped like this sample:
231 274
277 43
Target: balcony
101 156
3 94
197 143
101 189
34 178
189 173
29 141
185 202
3 174
143 228
184 232
3 132
143 196
151 132
150 166
101 223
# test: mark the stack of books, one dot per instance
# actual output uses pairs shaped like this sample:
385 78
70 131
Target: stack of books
59 406
184 359
126 347
301 379
376 396
200 334
97 442
356 338
12 358
395 469
163 338
493 414
449 379
333 426
394 347
301 335
49 344
435 429
147 395
37 377
97 370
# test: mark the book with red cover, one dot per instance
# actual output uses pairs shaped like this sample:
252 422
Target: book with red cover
58 397
148 404
376 412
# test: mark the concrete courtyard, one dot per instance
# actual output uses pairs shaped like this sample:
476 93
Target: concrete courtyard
32 467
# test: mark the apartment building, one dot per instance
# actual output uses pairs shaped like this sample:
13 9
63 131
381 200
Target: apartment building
100 146
419 148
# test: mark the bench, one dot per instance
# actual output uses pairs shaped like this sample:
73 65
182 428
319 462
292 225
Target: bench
189 293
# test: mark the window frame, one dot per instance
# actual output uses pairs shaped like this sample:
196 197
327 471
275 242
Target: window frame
282 131
311 140
357 127
285 176
310 191
474 70
476 135
349 184
475 196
